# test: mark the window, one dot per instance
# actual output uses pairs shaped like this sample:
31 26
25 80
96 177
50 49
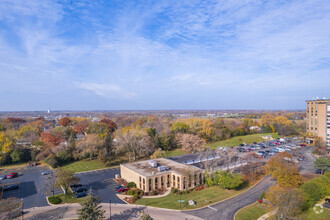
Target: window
156 183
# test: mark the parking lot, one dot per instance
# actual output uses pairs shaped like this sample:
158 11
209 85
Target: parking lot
102 183
32 187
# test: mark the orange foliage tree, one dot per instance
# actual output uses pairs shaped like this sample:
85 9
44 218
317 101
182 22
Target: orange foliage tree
65 121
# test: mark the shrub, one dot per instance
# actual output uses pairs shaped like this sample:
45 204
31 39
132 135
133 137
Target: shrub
262 195
153 193
174 190
130 192
135 196
131 184
54 200
141 193
52 161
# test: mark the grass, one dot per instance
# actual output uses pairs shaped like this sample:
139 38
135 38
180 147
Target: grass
251 212
84 165
311 215
173 153
235 141
212 195
69 198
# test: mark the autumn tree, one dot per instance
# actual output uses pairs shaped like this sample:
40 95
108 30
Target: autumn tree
267 119
65 178
190 143
81 126
5 144
112 126
16 122
65 121
133 141
158 154
89 147
289 202
50 139
282 167
180 127
253 168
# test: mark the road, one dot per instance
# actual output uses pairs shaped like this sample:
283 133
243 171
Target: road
227 209
307 166
118 212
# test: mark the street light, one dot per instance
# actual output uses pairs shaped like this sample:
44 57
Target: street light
110 210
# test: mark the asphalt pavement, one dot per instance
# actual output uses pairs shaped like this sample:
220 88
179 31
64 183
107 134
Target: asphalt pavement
227 209
102 183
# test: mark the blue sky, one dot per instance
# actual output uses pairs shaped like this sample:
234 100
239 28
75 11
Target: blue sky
121 55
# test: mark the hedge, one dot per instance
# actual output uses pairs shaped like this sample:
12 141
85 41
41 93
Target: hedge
54 200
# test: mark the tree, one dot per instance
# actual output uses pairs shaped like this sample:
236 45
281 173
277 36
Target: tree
322 163
81 126
282 167
112 126
190 143
16 122
89 147
65 178
158 154
16 155
50 139
288 201
180 127
145 216
5 144
65 121
91 209
253 167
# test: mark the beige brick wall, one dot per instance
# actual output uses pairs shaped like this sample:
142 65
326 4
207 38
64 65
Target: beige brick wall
322 121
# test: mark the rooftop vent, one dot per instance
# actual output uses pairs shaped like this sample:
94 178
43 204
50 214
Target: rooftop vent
152 163
162 168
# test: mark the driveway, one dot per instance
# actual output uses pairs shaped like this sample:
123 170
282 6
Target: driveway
228 208
32 188
102 183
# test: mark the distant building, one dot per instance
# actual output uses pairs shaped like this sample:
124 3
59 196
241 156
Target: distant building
318 119
254 128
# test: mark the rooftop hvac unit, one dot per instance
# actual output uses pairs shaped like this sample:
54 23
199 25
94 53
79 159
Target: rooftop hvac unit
152 163
162 168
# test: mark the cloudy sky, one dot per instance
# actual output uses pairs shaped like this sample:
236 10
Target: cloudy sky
111 55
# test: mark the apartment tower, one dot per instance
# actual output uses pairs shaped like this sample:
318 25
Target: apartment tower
318 118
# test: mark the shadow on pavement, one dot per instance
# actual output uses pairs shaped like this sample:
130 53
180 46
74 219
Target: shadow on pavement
127 214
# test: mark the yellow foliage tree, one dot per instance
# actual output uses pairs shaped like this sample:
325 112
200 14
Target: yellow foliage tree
5 144
267 119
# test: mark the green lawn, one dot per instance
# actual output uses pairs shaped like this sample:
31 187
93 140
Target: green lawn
235 141
212 195
311 215
69 198
173 153
84 165
251 212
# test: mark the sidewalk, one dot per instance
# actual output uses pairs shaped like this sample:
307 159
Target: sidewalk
267 215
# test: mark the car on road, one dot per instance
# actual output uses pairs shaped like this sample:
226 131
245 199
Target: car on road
80 195
10 187
79 190
47 172
124 189
3 177
75 185
12 175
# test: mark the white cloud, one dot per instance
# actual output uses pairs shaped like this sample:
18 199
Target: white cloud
107 90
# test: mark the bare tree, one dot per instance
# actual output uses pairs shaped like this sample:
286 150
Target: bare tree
190 143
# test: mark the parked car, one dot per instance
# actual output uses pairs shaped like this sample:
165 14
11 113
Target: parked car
327 200
271 144
12 175
242 149
302 145
119 187
79 190
75 185
124 189
10 187
3 177
269 153
46 172
275 150
261 153
80 195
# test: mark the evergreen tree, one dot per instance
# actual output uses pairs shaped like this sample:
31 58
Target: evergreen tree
91 210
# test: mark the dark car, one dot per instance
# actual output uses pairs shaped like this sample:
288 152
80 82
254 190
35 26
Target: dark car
302 145
10 187
75 185
119 187
80 195
327 200
12 175
124 189
79 190
242 149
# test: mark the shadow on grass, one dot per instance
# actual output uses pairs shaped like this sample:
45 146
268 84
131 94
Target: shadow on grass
128 214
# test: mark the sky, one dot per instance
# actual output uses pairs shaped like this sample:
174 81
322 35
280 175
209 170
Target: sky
163 55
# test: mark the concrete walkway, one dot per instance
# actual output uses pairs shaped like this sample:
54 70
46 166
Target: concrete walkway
118 211
168 191
267 215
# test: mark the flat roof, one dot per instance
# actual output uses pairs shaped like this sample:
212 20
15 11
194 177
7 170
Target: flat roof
318 100
143 167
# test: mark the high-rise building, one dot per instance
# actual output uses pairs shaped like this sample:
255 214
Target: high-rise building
318 118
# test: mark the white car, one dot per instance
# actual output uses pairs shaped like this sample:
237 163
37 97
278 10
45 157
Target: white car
280 149
46 172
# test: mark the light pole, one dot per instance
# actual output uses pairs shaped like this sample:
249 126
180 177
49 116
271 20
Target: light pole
22 210
110 210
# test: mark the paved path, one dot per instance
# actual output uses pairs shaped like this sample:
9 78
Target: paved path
118 212
226 210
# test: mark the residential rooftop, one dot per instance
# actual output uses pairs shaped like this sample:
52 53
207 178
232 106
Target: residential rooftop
143 167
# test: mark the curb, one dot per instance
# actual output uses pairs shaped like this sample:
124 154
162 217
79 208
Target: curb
106 168
242 209
224 199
